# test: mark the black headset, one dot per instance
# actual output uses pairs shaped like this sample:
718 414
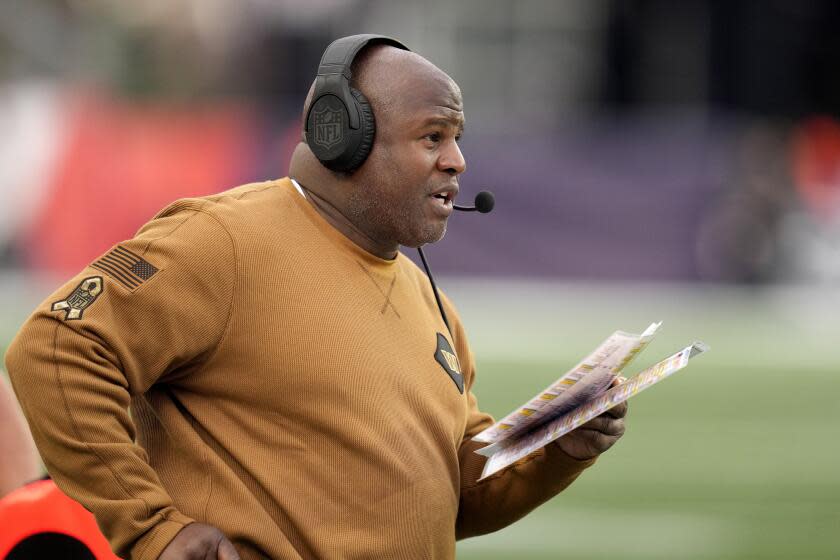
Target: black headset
340 126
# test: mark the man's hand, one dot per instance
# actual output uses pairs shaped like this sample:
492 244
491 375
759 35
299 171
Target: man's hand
197 541
597 435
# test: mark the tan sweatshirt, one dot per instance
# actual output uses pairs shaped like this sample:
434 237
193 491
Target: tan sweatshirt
284 385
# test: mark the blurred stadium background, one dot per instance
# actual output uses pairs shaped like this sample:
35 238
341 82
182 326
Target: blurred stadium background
652 160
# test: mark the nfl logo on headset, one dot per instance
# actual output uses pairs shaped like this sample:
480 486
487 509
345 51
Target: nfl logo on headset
328 127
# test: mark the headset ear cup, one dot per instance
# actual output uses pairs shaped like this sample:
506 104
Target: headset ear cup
368 130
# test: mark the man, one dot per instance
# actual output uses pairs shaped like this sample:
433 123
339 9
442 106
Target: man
278 353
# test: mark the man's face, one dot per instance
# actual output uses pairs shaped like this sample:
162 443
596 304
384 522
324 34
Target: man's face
406 187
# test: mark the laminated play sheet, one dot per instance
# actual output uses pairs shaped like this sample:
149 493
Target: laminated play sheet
578 396
583 382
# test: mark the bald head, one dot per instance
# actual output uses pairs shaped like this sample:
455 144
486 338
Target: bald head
385 74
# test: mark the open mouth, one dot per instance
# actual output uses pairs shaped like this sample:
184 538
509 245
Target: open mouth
446 199
443 199
443 202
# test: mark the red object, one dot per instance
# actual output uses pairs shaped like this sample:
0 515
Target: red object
40 507
815 151
122 162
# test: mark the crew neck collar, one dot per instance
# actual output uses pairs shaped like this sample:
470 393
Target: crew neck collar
298 187
334 234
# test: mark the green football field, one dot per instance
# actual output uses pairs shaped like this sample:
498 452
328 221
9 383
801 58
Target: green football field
737 456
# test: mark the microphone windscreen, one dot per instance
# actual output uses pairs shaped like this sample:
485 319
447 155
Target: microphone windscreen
484 202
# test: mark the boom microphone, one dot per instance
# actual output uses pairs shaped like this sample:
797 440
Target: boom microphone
484 203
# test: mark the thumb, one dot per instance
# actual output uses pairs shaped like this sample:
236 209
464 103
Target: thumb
226 551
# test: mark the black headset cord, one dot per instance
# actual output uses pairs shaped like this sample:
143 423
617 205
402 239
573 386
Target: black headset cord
434 289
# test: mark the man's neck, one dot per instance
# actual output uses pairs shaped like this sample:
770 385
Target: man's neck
337 219
326 194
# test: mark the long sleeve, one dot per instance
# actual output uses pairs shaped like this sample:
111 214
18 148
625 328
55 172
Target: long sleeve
152 309
507 496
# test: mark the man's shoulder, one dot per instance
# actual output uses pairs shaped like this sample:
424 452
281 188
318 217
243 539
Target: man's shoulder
228 214
230 202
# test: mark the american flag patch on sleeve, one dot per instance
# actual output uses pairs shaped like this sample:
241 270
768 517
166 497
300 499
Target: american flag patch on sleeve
127 268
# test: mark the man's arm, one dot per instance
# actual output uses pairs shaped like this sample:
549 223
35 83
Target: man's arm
507 496
107 335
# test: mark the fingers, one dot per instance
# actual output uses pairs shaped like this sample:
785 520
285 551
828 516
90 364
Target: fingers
596 441
606 425
597 435
583 443
618 411
198 541
226 551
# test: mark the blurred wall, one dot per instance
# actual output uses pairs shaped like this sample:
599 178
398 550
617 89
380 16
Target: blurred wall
641 139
